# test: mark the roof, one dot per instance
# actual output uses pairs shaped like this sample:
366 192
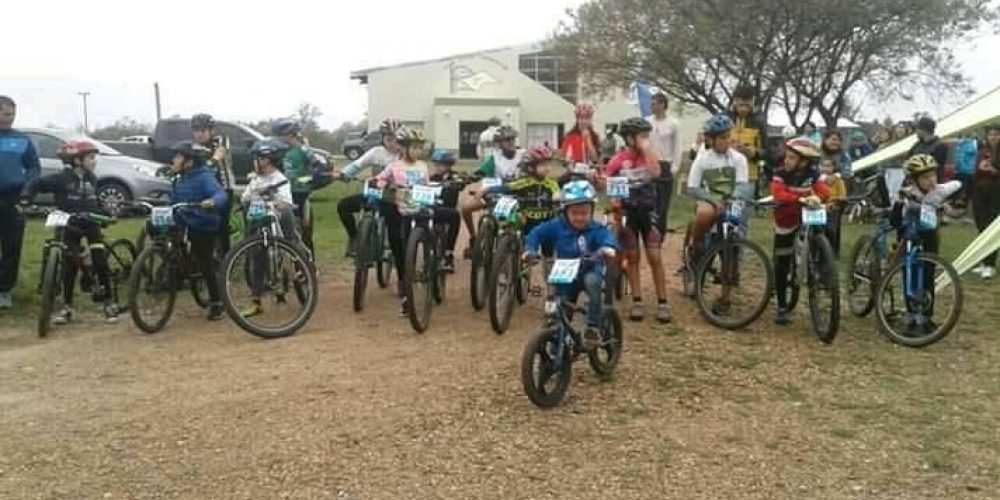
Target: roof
362 74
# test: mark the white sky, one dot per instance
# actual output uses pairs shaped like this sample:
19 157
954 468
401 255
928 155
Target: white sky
244 62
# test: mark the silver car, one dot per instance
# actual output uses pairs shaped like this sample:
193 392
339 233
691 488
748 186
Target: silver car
120 178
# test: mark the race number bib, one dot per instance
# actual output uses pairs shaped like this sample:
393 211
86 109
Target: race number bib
505 208
372 193
580 168
57 219
814 217
424 195
162 217
257 211
491 183
564 271
735 210
928 217
618 188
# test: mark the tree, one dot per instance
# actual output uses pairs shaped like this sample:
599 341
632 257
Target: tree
123 127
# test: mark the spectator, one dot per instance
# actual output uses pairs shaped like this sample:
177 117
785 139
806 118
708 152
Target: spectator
986 198
930 144
860 147
881 139
486 148
609 146
809 131
580 144
666 139
895 176
833 149
966 154
19 166
749 133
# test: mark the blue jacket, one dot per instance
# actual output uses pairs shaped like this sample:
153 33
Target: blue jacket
195 186
18 162
569 243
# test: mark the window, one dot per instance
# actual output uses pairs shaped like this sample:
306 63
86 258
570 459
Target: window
238 138
173 131
46 145
548 72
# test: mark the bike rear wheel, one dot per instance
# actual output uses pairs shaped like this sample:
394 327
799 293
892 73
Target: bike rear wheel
824 289
546 369
417 279
605 358
152 289
363 256
482 259
51 289
865 273
440 277
920 317
504 280
121 259
741 268
382 253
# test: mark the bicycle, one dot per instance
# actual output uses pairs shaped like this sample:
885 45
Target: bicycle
372 247
728 259
869 260
271 265
921 278
547 361
424 282
815 268
56 251
483 246
162 268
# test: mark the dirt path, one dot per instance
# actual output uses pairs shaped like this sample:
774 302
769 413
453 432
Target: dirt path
358 406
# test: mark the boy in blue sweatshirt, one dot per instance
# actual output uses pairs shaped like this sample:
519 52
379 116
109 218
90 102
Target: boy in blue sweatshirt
18 166
574 235
195 183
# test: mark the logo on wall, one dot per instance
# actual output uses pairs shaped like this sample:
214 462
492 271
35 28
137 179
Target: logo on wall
464 79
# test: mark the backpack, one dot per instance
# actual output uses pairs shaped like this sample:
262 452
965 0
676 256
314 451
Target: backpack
966 152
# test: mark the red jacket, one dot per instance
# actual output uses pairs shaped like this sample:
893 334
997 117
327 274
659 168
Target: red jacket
788 187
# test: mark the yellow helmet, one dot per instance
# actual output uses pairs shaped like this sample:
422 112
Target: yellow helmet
407 135
920 164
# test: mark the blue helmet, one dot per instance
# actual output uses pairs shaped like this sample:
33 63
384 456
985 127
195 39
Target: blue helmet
269 148
717 125
282 128
443 157
578 192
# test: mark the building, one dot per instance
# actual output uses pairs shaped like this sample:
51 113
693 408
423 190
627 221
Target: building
453 98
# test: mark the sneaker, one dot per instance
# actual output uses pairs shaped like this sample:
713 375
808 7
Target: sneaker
216 312
591 338
5 301
663 313
111 313
252 310
448 262
467 253
638 312
350 252
781 318
988 273
403 309
62 317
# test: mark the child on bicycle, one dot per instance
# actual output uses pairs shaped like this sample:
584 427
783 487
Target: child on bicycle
504 164
796 184
75 193
444 161
194 183
639 163
297 164
574 235
835 206
410 170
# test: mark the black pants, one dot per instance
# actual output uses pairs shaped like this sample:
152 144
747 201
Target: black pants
398 228
664 191
98 256
225 228
833 221
303 210
11 239
203 253
986 205
784 257
346 209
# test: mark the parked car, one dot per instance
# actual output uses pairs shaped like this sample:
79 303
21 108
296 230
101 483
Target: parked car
120 178
358 143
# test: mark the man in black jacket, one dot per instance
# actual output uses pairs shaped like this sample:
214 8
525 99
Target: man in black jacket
930 144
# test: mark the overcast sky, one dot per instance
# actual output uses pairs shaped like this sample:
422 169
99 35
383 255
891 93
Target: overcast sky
244 62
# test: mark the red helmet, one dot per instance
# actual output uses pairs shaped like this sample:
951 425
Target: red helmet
535 156
75 149
584 110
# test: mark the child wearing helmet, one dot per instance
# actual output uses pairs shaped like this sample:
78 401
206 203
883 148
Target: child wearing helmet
796 184
580 144
296 165
444 161
573 235
639 163
74 189
203 132
503 164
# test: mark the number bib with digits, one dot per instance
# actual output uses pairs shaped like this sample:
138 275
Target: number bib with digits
564 271
424 195
162 217
735 211
257 211
814 217
57 219
491 183
505 208
618 188
372 193
928 217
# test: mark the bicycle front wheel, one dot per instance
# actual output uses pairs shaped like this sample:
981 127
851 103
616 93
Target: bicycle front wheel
546 369
734 283
911 310
865 272
382 253
417 279
363 257
503 283
152 289
482 259
51 289
121 259
824 289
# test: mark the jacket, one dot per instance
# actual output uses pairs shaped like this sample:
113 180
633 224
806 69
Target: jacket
195 186
569 243
787 187
19 163
531 187
934 147
74 191
750 132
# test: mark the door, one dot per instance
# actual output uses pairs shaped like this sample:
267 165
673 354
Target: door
468 138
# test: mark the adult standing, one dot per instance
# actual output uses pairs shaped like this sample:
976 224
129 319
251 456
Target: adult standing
749 132
860 146
609 146
895 176
486 147
986 197
580 144
930 144
19 166
832 148
666 141
203 132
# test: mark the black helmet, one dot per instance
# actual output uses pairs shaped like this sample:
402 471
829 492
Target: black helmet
505 133
202 121
269 148
282 128
191 150
632 127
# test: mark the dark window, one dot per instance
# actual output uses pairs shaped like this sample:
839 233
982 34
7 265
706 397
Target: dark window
172 132
46 145
548 72
238 138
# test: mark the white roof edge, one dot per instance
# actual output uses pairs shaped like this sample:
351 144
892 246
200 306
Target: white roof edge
367 71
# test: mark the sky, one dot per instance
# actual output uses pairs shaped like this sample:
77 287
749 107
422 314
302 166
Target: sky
243 62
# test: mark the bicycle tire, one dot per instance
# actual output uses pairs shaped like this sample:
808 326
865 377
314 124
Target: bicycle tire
121 259
535 389
440 288
482 259
51 288
612 345
363 253
170 286
689 268
418 311
505 260
824 252
700 278
382 254
859 272
944 329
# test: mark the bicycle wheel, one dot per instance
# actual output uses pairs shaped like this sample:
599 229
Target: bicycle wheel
382 253
51 289
440 288
121 259
417 279
152 289
503 283
363 256
283 287
546 369
734 283
612 284
605 358
482 259
920 316
689 268
865 272
824 289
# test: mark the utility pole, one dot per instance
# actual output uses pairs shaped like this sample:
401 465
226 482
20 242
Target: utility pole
156 90
86 118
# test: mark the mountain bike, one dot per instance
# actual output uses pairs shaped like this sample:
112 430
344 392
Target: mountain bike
815 269
57 251
270 273
483 246
918 286
869 260
424 282
737 266
547 361
371 247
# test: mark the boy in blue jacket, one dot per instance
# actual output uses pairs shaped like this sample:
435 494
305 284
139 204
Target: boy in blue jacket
574 235
195 183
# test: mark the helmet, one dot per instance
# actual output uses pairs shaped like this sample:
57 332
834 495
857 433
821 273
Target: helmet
584 110
389 126
191 150
804 147
443 157
535 156
202 121
920 164
578 192
788 132
632 127
494 122
717 125
282 128
75 149
268 148
505 133
407 135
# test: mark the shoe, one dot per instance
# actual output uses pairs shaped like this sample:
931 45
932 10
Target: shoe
467 253
404 310
350 252
663 313
5 301
988 273
781 318
638 312
252 310
591 338
111 313
62 317
448 262
216 312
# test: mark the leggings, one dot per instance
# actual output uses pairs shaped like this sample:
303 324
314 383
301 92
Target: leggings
98 254
203 253
346 209
784 256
